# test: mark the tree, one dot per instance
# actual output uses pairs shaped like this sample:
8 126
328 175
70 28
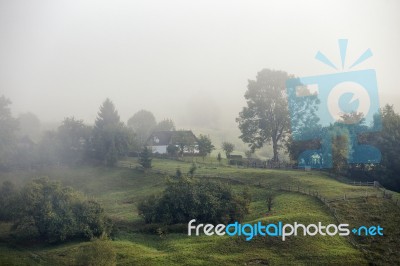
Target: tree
172 150
185 141
8 129
165 125
142 123
145 158
29 125
387 141
248 154
205 145
266 117
7 201
341 149
306 131
111 139
47 149
228 148
73 137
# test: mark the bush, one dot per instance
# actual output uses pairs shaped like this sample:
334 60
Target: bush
7 201
145 158
189 198
47 211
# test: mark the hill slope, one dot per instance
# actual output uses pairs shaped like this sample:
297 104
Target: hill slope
120 189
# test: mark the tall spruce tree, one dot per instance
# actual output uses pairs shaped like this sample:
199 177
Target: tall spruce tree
111 139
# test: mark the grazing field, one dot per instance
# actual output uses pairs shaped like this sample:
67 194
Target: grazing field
120 189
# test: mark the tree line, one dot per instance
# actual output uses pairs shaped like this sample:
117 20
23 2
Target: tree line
74 142
265 120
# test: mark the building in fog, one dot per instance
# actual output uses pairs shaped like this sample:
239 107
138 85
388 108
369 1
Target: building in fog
159 141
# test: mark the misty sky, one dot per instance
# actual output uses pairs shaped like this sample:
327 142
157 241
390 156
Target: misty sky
63 58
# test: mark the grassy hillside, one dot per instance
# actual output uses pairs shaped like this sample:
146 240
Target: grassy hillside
120 189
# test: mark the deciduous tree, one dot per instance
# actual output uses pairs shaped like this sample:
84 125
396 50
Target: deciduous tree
228 148
266 117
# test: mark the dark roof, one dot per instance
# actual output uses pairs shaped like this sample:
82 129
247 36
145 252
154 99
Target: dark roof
161 138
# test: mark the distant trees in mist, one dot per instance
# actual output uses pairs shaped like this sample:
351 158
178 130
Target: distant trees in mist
74 142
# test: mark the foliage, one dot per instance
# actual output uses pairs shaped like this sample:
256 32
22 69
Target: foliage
47 149
266 117
188 198
165 125
205 145
8 128
74 139
340 149
228 148
142 123
184 141
219 157
53 213
111 139
249 154
172 150
115 189
29 125
145 158
7 201
387 141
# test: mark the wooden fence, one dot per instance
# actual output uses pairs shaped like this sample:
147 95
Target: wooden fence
380 190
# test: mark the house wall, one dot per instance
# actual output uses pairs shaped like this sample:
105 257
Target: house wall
162 149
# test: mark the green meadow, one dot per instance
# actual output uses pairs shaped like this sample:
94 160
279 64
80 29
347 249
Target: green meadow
120 189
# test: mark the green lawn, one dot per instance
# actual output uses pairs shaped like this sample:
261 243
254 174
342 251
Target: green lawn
120 189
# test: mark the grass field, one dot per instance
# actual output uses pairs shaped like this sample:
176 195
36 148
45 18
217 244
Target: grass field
120 189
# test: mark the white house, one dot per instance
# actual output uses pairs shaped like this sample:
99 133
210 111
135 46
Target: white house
159 141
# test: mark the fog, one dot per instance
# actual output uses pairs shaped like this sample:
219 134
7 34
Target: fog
185 60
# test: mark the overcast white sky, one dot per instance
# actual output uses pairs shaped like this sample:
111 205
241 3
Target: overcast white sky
63 58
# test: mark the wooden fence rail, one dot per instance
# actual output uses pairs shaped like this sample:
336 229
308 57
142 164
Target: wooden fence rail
294 187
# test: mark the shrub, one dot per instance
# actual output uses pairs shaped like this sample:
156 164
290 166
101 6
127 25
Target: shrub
7 201
188 198
51 212
145 158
